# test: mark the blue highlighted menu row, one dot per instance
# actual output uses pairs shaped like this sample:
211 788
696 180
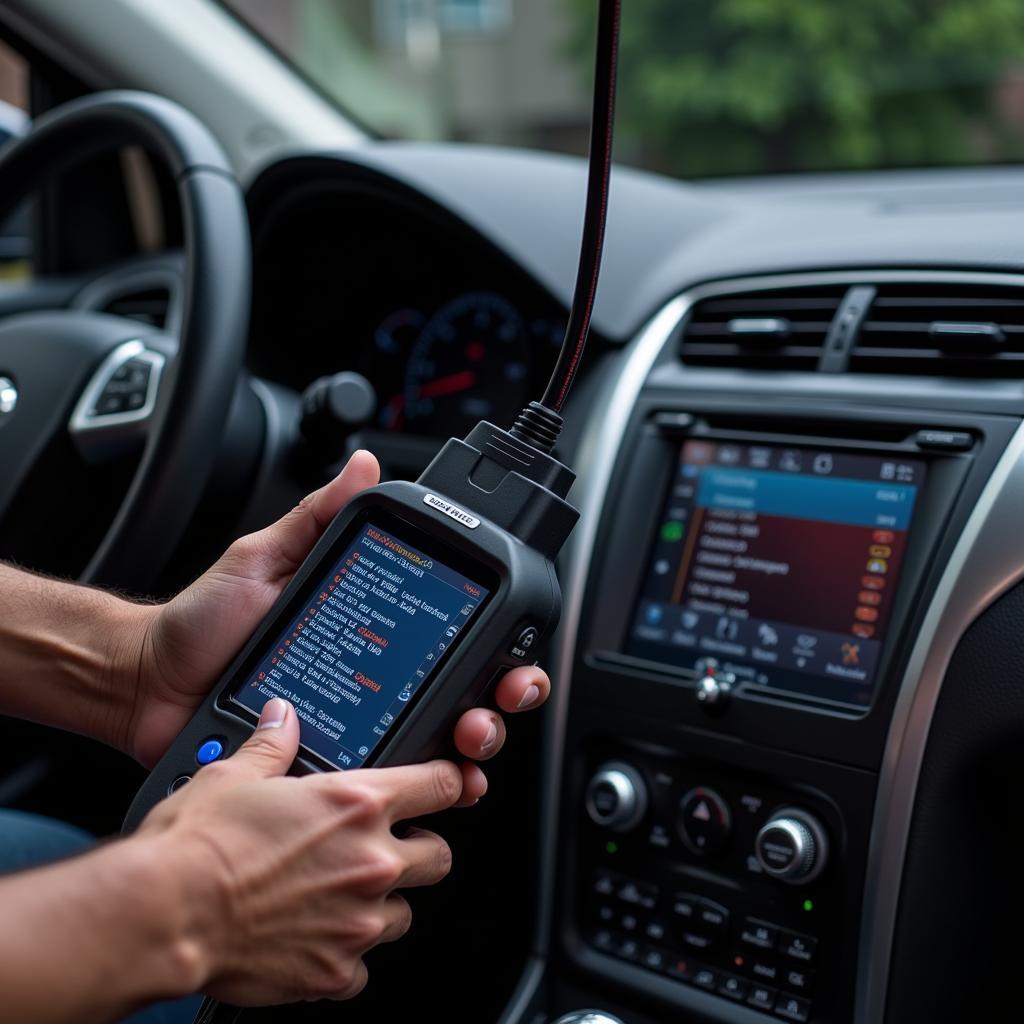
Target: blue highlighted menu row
828 499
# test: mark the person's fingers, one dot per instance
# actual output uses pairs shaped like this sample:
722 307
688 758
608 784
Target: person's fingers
286 543
397 917
522 689
399 793
428 858
474 783
272 747
354 985
479 734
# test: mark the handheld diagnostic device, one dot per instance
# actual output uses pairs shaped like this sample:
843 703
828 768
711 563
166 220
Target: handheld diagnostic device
418 596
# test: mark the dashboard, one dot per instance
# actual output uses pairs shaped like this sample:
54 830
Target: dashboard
798 444
446 330
786 719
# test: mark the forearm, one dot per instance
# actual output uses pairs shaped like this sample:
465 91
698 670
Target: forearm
90 939
69 655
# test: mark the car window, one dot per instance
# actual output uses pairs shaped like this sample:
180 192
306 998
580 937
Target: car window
706 88
14 238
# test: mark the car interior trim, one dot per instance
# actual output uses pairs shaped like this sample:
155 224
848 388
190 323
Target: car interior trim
598 453
100 292
85 418
984 564
987 560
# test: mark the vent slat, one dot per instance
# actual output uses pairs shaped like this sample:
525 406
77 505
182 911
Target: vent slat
714 334
943 330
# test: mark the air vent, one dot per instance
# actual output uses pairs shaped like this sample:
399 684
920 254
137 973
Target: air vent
781 328
949 330
148 306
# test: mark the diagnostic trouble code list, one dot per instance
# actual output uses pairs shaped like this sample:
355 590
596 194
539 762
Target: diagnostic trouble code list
355 656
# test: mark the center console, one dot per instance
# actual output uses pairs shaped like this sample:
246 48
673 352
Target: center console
742 607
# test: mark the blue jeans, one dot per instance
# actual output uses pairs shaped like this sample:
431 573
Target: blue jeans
26 841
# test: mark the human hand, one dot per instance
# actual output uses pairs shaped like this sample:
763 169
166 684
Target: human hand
286 882
189 641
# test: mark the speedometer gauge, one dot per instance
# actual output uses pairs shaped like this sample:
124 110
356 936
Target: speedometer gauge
472 362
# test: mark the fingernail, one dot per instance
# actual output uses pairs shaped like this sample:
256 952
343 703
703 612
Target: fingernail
492 735
274 713
529 698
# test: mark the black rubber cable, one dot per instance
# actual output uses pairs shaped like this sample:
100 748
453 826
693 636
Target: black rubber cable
602 121
540 423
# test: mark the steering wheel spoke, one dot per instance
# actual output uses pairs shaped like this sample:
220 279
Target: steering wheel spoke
86 388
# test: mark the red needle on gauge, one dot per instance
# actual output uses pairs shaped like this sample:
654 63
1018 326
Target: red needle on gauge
448 385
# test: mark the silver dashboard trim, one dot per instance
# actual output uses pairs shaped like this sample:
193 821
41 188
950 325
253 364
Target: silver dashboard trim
598 454
987 560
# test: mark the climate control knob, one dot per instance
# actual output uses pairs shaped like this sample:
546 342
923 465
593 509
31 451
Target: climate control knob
617 797
792 845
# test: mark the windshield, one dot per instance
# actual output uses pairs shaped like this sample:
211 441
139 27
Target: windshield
707 87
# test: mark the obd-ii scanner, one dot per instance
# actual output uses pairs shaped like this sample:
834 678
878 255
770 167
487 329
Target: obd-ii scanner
418 596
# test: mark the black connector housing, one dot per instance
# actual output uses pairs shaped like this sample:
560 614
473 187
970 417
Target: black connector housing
509 482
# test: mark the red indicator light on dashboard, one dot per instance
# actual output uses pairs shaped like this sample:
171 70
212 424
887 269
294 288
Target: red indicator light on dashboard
872 597
866 614
872 582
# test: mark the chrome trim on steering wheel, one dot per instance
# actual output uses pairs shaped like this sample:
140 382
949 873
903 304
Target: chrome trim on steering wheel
112 426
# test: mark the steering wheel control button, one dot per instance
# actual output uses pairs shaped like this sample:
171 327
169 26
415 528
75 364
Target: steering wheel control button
704 822
759 934
110 416
524 644
798 947
792 1008
126 389
209 751
178 783
616 797
792 846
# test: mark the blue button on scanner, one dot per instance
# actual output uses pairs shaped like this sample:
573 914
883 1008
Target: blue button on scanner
211 750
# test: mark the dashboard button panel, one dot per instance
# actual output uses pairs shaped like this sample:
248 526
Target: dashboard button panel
731 928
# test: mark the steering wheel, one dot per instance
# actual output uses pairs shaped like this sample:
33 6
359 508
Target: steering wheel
104 381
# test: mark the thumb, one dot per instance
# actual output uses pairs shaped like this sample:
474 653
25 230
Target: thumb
291 537
272 747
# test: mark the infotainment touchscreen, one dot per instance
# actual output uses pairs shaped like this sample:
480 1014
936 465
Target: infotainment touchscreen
780 565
